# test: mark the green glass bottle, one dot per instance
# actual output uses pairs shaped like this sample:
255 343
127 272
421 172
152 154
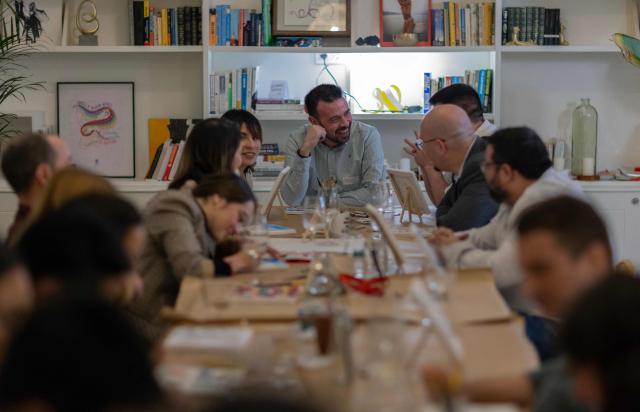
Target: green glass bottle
584 139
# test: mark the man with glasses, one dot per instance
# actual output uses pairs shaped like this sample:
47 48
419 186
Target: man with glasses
333 146
448 143
518 171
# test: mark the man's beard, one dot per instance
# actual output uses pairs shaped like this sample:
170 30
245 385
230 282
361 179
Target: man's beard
337 141
497 193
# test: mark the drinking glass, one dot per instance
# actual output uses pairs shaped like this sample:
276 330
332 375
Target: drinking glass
314 219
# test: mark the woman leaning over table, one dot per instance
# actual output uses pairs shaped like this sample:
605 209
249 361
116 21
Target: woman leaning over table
183 229
251 140
212 148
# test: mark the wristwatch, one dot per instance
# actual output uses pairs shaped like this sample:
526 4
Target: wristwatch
304 157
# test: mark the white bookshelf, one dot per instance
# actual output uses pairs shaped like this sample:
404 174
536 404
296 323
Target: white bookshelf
533 85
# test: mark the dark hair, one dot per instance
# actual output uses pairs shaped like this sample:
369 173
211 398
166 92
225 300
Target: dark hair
230 187
573 222
78 355
120 214
210 149
325 92
463 96
243 117
602 330
522 149
22 157
77 247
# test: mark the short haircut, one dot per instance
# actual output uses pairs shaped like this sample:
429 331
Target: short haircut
76 247
231 187
573 222
463 96
522 149
602 330
243 117
22 157
78 355
326 93
118 212
210 149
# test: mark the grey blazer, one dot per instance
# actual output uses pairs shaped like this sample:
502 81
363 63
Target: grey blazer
178 245
468 203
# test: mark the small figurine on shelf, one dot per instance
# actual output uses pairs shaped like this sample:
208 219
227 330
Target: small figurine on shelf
515 39
87 23
563 37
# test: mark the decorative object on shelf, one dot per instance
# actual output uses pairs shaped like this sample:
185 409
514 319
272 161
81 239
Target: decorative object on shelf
97 121
515 39
405 39
563 36
37 21
390 99
368 41
629 46
87 23
297 41
327 18
403 22
584 138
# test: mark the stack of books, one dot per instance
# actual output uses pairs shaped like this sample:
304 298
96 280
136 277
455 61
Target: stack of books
270 161
240 27
167 138
538 25
232 90
455 24
480 80
282 106
166 160
150 26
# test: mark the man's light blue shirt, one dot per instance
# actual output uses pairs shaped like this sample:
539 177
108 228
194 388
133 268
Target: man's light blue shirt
357 165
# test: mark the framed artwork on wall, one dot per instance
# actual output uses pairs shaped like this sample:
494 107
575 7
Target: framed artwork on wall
326 18
404 16
97 120
39 21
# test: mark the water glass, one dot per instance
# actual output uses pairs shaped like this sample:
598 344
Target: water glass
314 219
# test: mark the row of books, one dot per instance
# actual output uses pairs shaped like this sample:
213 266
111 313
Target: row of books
240 27
457 24
232 90
537 25
480 80
166 160
270 161
150 26
279 105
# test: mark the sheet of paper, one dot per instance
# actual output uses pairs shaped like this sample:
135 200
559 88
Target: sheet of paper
299 246
208 338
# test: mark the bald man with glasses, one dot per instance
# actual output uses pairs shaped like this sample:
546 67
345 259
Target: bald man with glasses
447 142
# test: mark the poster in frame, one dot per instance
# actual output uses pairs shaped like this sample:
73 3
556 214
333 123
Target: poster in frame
320 18
97 120
404 16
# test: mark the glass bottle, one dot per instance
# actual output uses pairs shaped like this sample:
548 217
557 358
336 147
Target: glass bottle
584 137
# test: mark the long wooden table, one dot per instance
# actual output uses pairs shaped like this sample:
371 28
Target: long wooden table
494 341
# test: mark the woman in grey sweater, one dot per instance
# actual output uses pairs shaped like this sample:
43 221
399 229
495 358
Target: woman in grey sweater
182 230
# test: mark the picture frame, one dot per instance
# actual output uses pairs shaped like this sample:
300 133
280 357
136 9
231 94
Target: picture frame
407 187
393 20
97 120
324 18
40 21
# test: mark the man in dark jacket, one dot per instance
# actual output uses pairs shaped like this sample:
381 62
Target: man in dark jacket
448 143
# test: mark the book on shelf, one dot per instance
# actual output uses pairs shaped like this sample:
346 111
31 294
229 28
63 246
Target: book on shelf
480 80
457 23
288 105
232 90
240 27
538 25
167 138
152 26
270 161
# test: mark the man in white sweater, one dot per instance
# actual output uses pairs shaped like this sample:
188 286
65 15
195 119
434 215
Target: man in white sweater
519 174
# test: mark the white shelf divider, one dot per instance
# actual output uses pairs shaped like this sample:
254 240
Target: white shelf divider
356 49
123 49
604 48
